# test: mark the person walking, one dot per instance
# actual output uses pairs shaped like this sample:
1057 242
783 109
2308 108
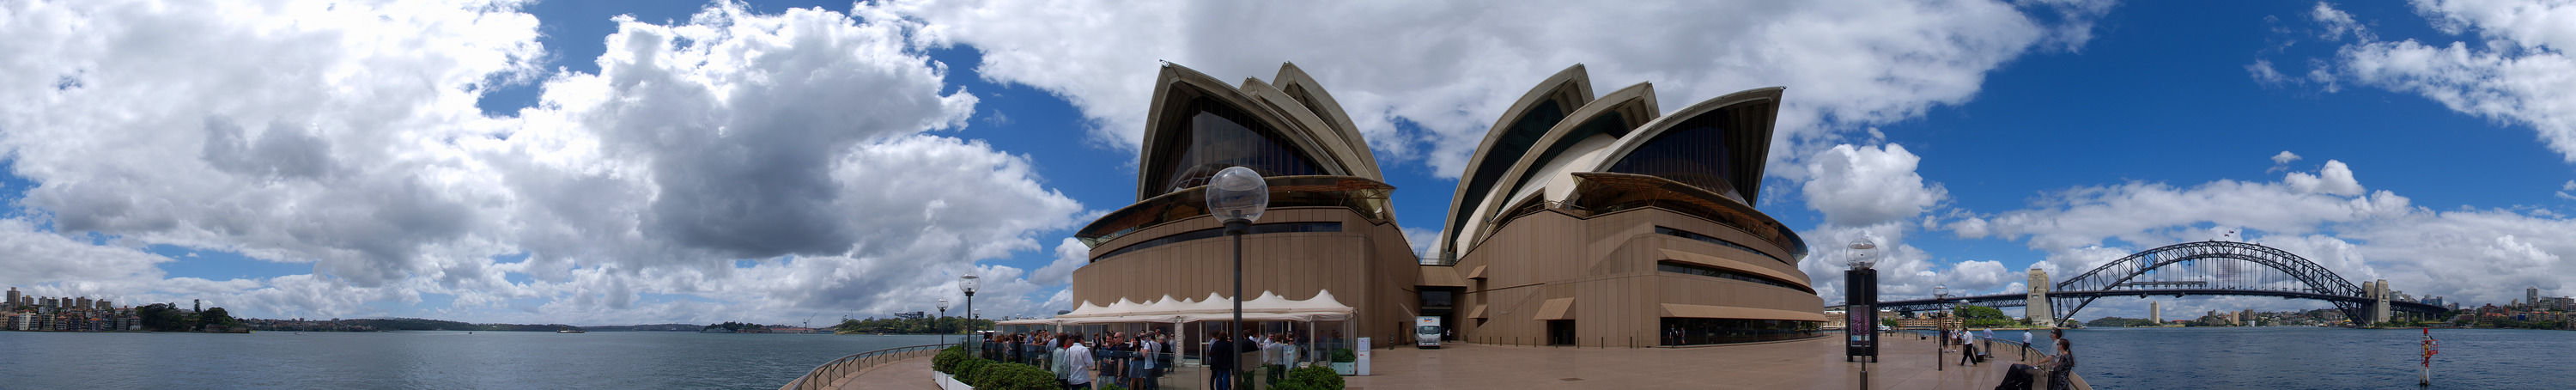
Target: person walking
1967 348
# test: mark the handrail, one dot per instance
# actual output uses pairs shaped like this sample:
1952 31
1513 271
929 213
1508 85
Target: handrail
847 365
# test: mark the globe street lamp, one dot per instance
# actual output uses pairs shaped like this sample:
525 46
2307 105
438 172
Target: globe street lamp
967 283
934 323
1940 299
1860 306
1237 195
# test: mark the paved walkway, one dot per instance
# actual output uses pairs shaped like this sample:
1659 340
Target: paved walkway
907 374
1905 362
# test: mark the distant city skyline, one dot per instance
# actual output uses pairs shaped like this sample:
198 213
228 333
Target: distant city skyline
695 162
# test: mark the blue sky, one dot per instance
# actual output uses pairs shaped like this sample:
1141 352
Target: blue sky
760 162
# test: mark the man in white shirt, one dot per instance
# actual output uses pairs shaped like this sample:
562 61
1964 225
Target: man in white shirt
1079 359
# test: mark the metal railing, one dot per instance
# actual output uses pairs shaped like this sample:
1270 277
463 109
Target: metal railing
823 376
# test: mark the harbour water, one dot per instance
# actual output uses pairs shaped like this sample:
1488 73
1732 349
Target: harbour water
2318 358
423 360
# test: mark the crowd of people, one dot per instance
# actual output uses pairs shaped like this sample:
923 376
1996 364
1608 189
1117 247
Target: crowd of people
1141 360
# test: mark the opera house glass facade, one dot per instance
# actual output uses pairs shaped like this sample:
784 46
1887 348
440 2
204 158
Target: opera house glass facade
1582 219
1604 220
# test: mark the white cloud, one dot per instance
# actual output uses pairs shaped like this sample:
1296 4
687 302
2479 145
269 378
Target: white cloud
1904 271
2285 157
1453 67
2263 73
2336 179
1856 186
1421 240
2516 74
2337 23
2143 213
1070 254
346 136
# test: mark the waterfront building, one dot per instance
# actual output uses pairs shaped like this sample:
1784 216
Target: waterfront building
1582 219
1328 231
1604 220
2155 314
13 299
2532 295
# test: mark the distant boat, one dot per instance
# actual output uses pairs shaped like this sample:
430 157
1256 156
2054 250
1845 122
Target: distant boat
571 330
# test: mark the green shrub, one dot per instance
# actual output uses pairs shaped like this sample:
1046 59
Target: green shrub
1111 386
1345 355
1014 376
970 370
947 360
1311 378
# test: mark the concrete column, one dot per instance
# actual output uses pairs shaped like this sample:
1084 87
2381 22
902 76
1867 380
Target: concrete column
2036 303
2379 301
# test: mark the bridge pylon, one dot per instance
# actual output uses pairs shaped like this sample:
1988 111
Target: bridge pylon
2379 293
2036 309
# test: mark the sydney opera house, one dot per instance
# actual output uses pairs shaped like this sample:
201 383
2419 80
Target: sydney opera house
1582 219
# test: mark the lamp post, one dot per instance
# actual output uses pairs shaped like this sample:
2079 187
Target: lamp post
1860 310
1941 299
1237 195
934 322
968 283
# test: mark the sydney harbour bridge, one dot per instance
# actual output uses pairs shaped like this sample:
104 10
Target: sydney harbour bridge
2203 268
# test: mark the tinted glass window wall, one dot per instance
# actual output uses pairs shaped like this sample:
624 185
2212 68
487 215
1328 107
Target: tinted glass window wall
1698 331
1220 136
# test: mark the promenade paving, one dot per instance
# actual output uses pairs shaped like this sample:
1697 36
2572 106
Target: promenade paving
907 374
1905 363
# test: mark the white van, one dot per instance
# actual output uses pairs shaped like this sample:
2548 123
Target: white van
1426 332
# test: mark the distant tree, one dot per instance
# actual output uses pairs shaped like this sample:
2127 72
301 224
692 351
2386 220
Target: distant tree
162 317
1983 317
2115 322
217 317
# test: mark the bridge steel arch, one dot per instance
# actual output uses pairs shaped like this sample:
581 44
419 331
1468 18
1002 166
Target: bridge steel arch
2123 274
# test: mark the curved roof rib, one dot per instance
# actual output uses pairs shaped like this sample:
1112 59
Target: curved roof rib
1760 104
1510 137
1294 82
1614 115
1178 85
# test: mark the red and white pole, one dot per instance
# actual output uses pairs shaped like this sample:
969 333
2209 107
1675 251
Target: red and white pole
2424 376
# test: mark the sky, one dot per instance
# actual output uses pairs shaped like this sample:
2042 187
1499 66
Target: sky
623 162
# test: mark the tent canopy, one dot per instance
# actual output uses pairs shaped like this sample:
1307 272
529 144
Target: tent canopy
1267 307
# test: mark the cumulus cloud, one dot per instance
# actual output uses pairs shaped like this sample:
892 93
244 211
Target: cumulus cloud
2513 73
1869 185
734 166
1451 68
2285 157
2336 179
2563 189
